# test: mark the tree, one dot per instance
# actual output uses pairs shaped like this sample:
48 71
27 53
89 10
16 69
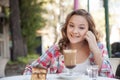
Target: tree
31 20
18 46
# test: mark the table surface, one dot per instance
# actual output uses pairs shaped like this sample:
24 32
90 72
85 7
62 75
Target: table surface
52 77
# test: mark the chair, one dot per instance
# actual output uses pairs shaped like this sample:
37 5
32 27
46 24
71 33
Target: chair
114 63
117 74
115 49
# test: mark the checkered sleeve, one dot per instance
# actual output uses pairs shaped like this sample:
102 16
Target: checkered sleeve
106 69
44 60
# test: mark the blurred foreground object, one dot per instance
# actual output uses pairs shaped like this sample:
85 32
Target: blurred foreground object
38 73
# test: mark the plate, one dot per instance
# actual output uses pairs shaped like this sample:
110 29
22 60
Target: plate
66 76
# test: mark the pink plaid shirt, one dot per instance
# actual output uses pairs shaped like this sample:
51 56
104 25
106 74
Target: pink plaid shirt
53 60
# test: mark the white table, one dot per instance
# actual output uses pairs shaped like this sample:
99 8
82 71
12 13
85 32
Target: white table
51 77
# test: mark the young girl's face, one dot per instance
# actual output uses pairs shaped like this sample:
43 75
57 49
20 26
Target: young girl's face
77 28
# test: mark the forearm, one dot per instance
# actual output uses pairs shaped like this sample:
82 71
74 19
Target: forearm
98 57
101 59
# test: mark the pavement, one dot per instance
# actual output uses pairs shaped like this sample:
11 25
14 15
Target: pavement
10 69
14 69
3 63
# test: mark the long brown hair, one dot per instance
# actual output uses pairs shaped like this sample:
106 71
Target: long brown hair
64 41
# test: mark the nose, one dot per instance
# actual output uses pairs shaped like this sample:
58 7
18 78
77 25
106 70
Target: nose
75 30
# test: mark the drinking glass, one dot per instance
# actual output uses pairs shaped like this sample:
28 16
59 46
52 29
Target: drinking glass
70 59
92 72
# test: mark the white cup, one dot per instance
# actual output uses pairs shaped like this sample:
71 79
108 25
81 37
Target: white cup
92 72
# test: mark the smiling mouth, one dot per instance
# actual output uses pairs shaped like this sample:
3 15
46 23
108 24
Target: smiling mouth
74 36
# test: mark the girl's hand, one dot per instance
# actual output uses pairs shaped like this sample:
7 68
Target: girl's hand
90 37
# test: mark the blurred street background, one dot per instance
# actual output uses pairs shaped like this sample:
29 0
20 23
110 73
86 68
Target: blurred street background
28 28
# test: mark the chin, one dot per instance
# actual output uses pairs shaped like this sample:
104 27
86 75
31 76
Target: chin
74 42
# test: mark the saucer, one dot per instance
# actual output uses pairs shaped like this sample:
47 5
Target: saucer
67 76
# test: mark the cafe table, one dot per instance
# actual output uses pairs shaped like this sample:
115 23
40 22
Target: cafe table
55 77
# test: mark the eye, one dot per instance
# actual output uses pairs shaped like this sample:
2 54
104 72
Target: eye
70 25
81 27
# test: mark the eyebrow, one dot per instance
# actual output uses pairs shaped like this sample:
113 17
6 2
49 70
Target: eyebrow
79 24
71 22
82 24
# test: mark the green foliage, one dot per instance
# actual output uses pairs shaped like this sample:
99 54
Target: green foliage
28 59
25 60
6 11
31 20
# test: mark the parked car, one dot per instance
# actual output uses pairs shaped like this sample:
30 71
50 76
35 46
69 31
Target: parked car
115 49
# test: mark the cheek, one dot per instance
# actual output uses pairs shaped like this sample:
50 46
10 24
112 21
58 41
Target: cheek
69 30
84 33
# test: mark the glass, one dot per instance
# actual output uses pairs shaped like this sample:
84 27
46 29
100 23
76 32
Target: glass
70 59
92 72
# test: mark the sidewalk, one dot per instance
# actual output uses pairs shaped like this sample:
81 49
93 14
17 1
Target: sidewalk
3 63
14 69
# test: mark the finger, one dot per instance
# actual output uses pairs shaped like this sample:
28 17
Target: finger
90 34
88 38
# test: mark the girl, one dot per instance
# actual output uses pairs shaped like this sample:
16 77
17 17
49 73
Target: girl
78 33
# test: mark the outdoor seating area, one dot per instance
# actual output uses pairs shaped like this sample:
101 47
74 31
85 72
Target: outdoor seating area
70 40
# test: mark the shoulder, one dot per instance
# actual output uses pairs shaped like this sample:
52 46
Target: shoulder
53 47
103 49
101 45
